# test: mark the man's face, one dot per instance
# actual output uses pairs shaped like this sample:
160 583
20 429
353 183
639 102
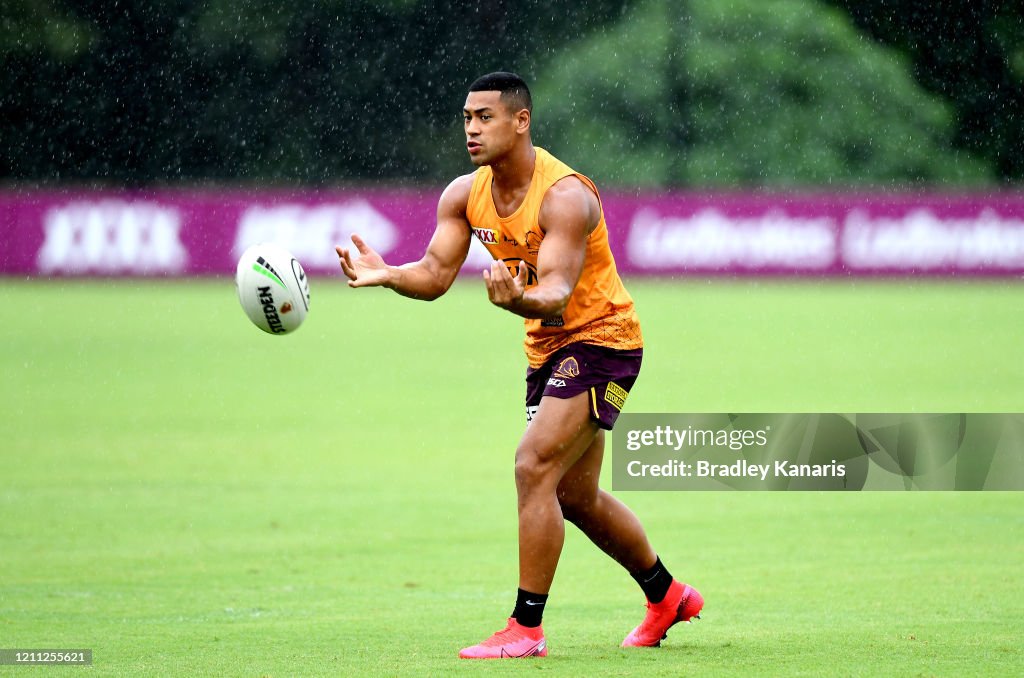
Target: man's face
491 127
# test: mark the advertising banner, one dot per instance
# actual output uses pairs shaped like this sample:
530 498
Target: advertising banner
198 233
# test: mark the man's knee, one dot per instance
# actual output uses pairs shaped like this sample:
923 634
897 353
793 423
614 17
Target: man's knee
534 468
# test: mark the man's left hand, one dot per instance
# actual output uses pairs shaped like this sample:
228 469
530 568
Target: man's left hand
502 289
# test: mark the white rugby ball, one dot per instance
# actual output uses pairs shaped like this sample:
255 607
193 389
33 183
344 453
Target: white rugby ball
272 288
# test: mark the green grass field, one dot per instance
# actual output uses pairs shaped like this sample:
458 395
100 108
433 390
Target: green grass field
185 495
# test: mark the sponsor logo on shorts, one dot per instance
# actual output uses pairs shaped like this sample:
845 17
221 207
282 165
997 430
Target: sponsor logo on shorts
531 411
616 395
557 383
486 235
555 321
568 368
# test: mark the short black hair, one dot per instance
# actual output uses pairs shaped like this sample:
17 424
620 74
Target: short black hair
514 91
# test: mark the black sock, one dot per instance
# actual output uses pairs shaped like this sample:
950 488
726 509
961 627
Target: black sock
654 582
529 608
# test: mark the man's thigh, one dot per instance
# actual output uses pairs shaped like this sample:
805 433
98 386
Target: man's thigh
559 433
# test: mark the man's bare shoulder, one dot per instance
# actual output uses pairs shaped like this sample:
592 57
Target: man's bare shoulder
456 195
571 197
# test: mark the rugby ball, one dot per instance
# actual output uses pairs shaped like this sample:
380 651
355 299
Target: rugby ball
272 288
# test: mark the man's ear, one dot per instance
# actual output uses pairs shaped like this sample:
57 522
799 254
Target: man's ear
523 121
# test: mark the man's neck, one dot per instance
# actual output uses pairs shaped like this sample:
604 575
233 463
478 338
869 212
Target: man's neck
516 169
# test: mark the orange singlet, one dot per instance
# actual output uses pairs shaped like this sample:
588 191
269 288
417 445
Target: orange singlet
600 310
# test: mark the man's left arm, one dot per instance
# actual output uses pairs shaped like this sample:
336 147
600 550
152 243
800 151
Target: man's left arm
569 213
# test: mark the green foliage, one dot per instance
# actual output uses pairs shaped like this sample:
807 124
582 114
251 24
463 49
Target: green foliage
28 26
969 52
613 100
300 93
746 93
638 92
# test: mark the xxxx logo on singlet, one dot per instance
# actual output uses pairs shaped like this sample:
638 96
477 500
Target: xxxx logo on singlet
486 235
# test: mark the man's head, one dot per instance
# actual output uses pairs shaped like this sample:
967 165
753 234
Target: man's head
514 92
497 116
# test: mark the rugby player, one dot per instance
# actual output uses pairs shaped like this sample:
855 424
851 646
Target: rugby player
544 225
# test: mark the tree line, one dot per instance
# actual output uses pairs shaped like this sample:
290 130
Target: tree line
650 93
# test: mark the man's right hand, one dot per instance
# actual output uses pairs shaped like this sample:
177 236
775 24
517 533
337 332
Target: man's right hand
432 275
369 270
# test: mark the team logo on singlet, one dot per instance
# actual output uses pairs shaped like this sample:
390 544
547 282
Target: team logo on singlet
533 239
568 368
486 235
513 264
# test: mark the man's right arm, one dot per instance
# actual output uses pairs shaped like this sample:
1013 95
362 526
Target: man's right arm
431 276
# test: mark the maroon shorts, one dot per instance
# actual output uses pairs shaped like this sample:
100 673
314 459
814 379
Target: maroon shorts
608 375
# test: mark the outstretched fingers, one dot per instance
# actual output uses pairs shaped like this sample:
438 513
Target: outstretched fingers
361 245
346 262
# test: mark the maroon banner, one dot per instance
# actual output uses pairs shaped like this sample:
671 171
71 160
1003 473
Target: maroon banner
187 233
